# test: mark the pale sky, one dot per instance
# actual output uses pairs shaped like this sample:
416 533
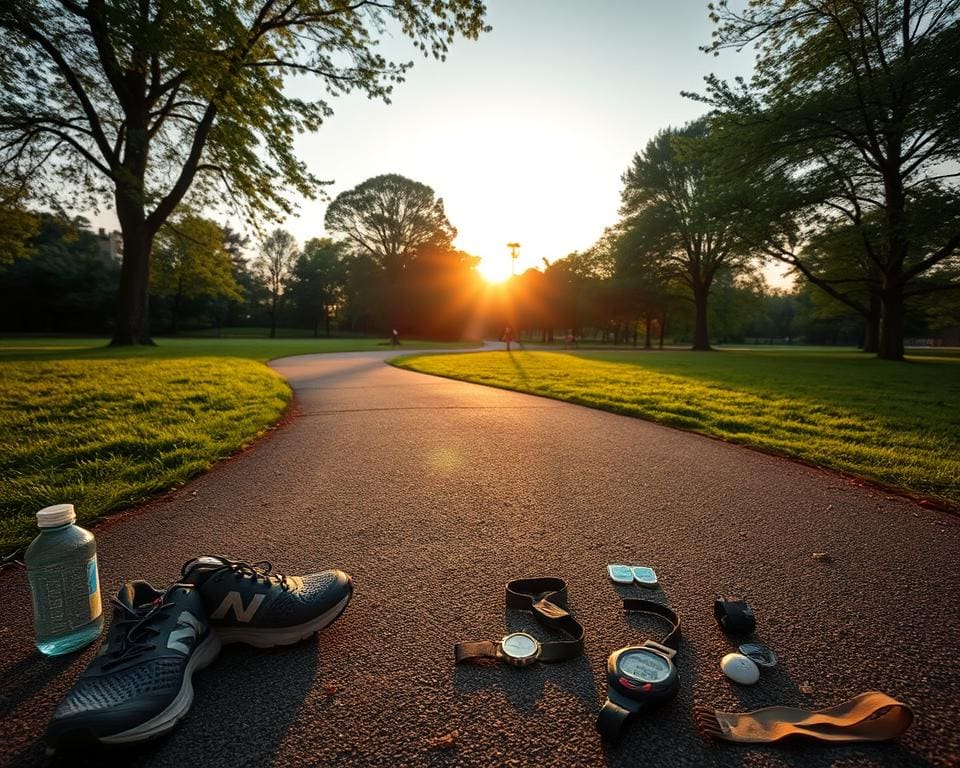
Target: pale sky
525 132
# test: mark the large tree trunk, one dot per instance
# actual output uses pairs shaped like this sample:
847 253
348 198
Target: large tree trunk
871 328
891 288
701 339
891 320
133 311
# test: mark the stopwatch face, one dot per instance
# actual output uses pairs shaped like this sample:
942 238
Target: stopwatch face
519 645
645 666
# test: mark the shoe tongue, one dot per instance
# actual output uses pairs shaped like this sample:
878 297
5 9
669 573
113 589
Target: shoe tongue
127 594
196 570
139 596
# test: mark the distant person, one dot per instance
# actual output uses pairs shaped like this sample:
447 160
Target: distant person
395 338
508 336
570 340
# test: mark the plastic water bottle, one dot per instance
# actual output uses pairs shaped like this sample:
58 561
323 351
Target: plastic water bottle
62 569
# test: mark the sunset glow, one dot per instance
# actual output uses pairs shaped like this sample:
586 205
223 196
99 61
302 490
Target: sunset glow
494 269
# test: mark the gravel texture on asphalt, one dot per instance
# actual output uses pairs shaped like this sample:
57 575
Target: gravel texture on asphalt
432 494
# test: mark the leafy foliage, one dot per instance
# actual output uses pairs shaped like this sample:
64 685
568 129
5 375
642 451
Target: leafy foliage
17 225
273 265
678 216
389 218
849 124
144 102
190 262
67 284
316 283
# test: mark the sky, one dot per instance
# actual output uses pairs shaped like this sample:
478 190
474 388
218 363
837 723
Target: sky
525 132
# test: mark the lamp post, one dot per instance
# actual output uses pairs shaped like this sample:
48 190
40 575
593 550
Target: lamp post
514 255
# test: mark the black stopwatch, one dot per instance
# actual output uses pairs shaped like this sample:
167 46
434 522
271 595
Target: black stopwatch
640 675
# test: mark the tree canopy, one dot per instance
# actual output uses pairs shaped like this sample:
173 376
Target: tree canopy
389 218
140 103
191 262
679 218
850 121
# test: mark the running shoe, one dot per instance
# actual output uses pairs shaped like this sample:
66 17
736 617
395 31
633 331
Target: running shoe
139 684
248 603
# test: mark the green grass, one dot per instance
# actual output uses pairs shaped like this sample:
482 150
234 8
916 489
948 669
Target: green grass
250 348
890 422
105 428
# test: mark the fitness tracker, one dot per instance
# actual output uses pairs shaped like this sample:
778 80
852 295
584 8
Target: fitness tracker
547 600
734 615
640 675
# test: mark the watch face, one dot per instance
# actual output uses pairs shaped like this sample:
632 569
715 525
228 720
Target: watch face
519 645
644 666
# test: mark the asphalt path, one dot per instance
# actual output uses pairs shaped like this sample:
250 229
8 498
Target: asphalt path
433 494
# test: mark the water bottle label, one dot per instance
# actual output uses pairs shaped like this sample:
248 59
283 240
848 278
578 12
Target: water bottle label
93 588
65 599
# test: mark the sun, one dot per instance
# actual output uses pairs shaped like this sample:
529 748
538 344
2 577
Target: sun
494 270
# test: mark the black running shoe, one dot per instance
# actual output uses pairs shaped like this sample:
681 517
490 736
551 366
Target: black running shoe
247 603
139 684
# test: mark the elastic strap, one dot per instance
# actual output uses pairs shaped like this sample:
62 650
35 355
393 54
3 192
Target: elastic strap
871 716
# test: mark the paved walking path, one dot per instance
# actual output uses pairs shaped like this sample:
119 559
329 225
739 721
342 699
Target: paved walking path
432 494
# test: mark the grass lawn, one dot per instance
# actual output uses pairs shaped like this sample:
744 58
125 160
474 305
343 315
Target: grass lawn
898 423
105 428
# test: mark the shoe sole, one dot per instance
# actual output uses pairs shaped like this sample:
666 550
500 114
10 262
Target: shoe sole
268 637
204 655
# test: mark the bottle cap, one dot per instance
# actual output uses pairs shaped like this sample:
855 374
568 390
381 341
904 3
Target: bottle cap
58 514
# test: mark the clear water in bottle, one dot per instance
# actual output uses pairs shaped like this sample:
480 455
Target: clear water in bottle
64 582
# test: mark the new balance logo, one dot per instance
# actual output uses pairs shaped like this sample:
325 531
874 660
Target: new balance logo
233 600
191 630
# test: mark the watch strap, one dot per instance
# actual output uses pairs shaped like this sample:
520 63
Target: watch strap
481 649
672 640
612 720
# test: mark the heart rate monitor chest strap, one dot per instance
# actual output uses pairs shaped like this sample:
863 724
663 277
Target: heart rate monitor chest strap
546 599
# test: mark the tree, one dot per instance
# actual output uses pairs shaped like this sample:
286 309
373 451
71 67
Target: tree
274 266
142 103
854 102
677 208
316 285
192 262
390 219
442 290
17 225
67 284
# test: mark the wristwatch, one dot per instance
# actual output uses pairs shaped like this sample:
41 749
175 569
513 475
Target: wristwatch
547 599
640 675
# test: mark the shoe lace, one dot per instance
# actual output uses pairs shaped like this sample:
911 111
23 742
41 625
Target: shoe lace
256 571
140 627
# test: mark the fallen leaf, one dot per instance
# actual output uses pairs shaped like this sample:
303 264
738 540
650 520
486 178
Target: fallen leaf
446 741
823 557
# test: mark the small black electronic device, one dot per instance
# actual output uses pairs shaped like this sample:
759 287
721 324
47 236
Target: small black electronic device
734 615
640 675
